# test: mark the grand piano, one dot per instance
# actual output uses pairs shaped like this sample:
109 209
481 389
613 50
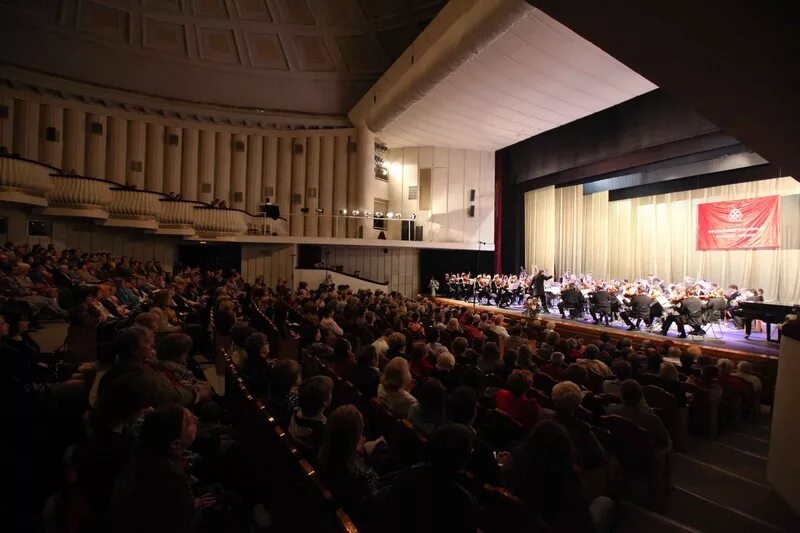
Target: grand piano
767 313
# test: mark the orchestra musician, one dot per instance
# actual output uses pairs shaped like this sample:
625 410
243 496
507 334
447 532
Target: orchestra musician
690 312
537 285
639 305
600 304
572 299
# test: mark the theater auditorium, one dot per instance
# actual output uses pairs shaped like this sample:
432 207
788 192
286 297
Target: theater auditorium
345 266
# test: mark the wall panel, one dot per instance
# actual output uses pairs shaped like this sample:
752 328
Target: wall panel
74 156
173 137
116 148
154 158
26 129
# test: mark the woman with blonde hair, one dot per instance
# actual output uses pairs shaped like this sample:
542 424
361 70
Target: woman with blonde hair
161 307
394 387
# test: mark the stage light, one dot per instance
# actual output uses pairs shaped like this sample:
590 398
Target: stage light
398 215
343 212
320 211
413 216
378 214
304 210
389 215
356 212
367 214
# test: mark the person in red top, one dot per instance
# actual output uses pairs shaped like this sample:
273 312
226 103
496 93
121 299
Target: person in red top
513 400
470 329
420 366
735 384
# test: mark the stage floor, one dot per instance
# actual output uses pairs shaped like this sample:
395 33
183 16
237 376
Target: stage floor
732 340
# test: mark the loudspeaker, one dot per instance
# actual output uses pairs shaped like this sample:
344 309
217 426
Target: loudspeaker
96 128
471 211
407 231
272 211
172 139
298 148
238 146
51 134
472 195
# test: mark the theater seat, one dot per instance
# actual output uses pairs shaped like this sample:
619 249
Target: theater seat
675 418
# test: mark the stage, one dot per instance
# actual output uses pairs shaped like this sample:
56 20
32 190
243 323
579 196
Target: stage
732 344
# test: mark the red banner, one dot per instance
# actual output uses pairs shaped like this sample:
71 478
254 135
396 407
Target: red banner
740 224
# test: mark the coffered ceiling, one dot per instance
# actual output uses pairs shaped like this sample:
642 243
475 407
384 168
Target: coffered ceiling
310 56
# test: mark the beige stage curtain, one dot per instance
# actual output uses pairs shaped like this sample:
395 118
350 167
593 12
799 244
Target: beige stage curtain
540 223
658 235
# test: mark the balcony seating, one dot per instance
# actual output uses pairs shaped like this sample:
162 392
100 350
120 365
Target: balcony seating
133 208
78 196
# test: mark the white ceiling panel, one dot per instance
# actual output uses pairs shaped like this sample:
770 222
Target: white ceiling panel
536 76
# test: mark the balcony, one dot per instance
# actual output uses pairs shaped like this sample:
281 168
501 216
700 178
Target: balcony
78 196
24 182
215 222
131 208
176 217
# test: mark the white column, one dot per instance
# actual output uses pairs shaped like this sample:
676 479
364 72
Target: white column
284 182
154 158
222 167
116 148
340 158
297 222
325 191
26 124
365 176
7 124
137 134
205 170
269 172
238 171
50 151
189 161
96 146
352 187
172 160
74 141
785 437
253 192
312 186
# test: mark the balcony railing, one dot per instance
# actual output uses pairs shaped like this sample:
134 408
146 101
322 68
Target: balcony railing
134 208
219 221
177 217
79 196
24 181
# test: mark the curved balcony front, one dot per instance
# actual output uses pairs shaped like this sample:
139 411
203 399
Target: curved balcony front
79 196
131 208
24 182
219 222
176 217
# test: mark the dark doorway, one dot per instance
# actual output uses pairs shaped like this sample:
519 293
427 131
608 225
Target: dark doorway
211 256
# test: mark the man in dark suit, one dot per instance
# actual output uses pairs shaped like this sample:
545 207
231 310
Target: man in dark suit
690 312
572 298
366 376
600 304
639 310
538 288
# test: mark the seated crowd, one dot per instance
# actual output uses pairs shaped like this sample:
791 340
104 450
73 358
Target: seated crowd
144 443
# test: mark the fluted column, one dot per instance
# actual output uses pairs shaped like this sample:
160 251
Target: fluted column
189 160
284 182
352 187
298 222
255 151
365 176
96 146
116 148
26 122
134 167
269 172
172 160
325 192
340 158
154 158
74 156
7 124
205 169
222 166
50 151
312 186
238 171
